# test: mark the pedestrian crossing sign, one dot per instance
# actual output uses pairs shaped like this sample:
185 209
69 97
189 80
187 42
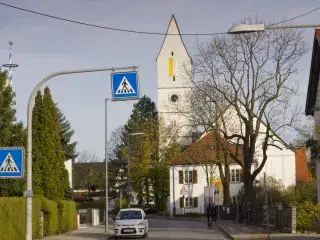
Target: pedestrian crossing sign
11 162
124 85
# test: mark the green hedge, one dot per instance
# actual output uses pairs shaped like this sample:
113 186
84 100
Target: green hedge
12 218
67 216
96 205
51 217
58 218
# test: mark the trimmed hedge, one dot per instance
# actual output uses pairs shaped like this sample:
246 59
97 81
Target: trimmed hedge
12 218
51 218
58 218
96 205
67 216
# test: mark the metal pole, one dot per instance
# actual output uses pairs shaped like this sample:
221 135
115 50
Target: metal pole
266 198
120 198
29 192
173 193
106 158
129 179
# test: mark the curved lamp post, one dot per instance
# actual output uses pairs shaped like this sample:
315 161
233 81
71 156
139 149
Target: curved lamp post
250 28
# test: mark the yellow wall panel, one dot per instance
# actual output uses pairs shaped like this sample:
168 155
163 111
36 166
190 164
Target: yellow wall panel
170 70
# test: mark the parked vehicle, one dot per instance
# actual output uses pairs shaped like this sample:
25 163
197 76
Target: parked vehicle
131 222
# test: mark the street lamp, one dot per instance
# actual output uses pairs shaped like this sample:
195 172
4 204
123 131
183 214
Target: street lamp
29 191
129 179
250 28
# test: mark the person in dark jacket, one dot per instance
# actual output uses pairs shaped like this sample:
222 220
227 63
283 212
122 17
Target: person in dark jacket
209 211
214 215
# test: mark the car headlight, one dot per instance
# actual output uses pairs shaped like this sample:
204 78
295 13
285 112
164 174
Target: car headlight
141 224
117 225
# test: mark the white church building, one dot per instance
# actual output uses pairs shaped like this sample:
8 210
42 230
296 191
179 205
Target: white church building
189 177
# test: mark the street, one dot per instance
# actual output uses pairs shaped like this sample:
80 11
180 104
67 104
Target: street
160 229
176 229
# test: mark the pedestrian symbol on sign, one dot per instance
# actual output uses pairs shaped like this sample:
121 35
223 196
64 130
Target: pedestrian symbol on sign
125 87
8 165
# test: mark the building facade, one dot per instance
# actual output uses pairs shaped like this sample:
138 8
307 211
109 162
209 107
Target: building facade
195 168
173 67
313 98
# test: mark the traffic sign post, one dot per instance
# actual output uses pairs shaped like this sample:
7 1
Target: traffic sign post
29 192
11 162
125 86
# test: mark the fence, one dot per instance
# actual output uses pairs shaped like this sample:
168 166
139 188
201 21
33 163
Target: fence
280 219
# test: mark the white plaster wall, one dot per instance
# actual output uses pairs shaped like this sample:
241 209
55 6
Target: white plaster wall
280 163
172 43
68 165
196 189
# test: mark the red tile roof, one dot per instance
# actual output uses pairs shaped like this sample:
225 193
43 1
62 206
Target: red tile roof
204 151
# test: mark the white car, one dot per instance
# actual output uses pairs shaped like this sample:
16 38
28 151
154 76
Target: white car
131 222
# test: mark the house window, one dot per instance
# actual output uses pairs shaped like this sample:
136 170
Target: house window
235 175
188 176
234 199
188 202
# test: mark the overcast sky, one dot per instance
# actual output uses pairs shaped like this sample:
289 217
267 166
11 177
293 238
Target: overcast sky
42 45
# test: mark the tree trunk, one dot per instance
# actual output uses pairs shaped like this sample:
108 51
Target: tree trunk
225 179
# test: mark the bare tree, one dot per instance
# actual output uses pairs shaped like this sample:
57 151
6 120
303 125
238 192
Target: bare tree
86 157
254 73
115 142
211 151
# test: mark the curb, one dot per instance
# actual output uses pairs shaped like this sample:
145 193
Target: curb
226 233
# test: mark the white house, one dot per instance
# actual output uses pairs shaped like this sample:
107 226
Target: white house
192 175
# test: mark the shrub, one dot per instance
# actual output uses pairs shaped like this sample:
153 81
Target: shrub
306 216
123 205
67 216
86 205
12 220
51 220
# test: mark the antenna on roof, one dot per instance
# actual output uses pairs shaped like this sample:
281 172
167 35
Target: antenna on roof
10 65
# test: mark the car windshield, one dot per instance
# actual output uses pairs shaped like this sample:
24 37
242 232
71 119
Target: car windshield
127 215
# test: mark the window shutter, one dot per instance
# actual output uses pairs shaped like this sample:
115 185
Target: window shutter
241 175
181 202
180 176
195 176
195 201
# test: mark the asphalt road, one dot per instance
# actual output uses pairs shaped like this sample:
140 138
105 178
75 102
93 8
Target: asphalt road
160 229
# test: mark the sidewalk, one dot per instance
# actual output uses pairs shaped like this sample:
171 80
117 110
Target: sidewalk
88 233
242 231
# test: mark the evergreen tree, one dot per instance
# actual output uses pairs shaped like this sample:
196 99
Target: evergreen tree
66 133
39 159
11 134
50 174
143 149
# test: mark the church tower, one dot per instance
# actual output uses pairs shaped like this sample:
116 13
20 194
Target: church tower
173 70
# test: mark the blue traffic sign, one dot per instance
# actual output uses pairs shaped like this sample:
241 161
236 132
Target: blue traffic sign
11 162
124 85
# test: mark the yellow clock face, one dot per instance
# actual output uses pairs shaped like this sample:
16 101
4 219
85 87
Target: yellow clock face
317 128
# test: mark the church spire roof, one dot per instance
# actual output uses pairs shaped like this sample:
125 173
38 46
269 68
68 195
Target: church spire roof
173 29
